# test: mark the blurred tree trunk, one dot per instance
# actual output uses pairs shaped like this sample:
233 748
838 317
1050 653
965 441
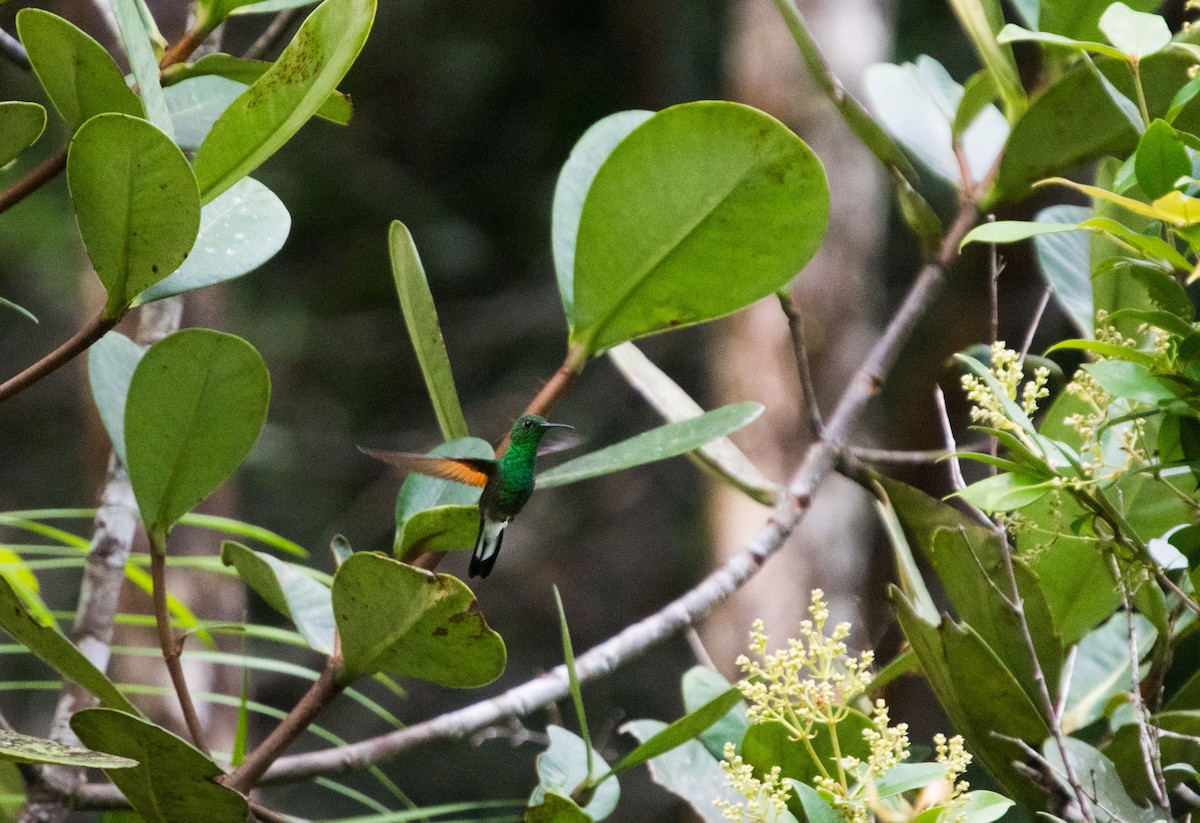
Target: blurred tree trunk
753 351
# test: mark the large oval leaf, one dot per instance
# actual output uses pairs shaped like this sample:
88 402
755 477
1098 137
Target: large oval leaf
135 201
405 621
172 783
239 231
666 441
21 124
700 211
574 181
274 108
197 402
78 75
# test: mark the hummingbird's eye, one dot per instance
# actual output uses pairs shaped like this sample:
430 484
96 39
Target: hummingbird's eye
528 424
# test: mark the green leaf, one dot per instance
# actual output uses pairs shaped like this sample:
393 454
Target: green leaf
197 402
719 457
173 783
1006 491
52 647
1074 121
689 772
420 316
1130 380
562 769
1160 160
657 444
432 512
770 744
136 35
1098 773
978 93
573 682
1013 231
574 181
239 231
1016 34
78 75
908 776
439 529
686 728
1080 18
554 808
700 211
337 108
982 20
917 103
274 108
701 685
407 622
21 748
289 590
1106 350
908 574
816 808
111 362
218 10
1102 668
979 695
1063 260
196 103
136 203
21 124
1135 33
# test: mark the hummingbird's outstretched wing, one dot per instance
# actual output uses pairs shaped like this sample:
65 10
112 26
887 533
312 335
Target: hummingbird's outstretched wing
469 470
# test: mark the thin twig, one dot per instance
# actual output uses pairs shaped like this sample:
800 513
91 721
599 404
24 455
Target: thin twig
1034 323
808 387
1064 682
78 343
169 644
12 49
1039 676
698 650
994 269
636 639
1147 737
315 700
957 482
33 180
273 33
915 457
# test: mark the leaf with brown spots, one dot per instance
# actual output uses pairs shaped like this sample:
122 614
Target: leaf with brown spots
407 622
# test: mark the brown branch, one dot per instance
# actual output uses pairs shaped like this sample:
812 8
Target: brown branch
79 342
169 644
636 639
808 387
183 49
33 180
314 701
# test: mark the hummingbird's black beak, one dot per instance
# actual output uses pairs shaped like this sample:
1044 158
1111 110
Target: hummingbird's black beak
556 426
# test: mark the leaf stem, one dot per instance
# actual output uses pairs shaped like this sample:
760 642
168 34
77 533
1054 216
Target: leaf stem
33 180
79 342
167 641
314 701
1141 92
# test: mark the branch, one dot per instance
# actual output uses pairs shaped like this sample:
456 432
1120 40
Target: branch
52 362
12 49
319 696
638 638
169 643
272 34
808 387
33 180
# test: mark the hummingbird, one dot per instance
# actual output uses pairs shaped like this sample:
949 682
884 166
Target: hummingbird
507 482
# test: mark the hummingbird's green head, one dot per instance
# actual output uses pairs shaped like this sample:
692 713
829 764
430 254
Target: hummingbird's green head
528 430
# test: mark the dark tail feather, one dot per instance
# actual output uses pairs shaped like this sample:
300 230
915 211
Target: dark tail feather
487 548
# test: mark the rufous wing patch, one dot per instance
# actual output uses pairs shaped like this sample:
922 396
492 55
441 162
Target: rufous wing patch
470 471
